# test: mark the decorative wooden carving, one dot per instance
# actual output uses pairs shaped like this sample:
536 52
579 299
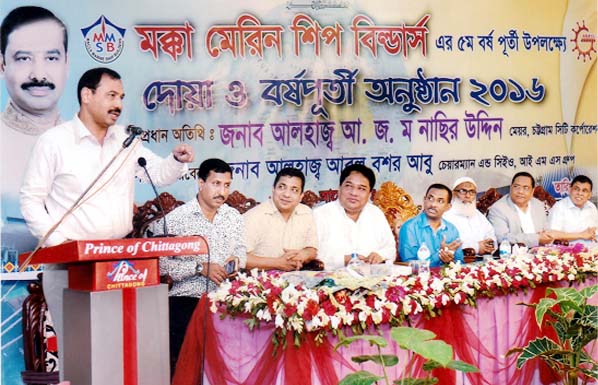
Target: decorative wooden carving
487 199
396 205
310 198
240 202
150 211
34 333
541 194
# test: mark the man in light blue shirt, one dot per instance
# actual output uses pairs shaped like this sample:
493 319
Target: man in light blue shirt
440 236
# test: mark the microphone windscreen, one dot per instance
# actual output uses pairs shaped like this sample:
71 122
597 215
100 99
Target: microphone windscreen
132 129
141 161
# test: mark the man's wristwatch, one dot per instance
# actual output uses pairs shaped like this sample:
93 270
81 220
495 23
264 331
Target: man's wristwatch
198 268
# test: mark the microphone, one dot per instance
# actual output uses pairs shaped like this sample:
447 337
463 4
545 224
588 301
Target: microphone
133 131
143 163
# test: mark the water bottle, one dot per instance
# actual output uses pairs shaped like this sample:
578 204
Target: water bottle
504 250
356 267
423 255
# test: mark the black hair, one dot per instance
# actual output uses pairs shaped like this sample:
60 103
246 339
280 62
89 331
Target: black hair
582 179
26 15
525 174
362 169
91 79
213 164
440 186
292 172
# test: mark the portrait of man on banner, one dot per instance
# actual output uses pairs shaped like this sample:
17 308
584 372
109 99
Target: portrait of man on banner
34 69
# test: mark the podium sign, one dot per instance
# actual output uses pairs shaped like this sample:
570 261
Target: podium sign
115 310
113 264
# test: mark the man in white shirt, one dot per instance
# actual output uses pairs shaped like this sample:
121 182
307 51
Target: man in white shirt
575 217
475 231
64 162
519 217
352 224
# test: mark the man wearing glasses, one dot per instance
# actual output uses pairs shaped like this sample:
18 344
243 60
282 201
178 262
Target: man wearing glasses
475 230
519 217
440 236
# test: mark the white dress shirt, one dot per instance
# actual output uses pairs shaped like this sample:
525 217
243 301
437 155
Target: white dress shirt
472 229
64 161
339 235
565 216
527 222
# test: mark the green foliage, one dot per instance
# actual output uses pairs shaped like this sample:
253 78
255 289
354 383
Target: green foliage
574 322
373 340
454 364
422 342
383 359
417 381
419 341
360 378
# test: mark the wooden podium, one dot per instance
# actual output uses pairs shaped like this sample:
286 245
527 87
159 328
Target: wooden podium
115 309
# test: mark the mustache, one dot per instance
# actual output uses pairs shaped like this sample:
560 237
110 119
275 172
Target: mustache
38 83
115 110
219 197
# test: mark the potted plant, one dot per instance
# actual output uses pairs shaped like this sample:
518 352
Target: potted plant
573 320
421 342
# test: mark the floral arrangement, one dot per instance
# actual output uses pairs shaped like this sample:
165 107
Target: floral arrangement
268 297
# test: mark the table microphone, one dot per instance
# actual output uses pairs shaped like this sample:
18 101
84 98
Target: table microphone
143 163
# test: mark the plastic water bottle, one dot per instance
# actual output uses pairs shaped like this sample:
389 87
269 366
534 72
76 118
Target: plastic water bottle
423 255
504 250
356 266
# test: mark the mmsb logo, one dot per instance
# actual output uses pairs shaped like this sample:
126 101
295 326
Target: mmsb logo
104 40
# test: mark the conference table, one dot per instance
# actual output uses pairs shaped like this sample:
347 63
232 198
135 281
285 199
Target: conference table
477 308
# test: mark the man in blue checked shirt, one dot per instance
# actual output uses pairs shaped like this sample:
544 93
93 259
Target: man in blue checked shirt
441 237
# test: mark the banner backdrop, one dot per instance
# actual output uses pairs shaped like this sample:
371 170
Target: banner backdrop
421 91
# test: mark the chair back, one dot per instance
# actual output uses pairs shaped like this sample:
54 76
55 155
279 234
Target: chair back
39 340
487 199
151 211
310 198
396 204
240 202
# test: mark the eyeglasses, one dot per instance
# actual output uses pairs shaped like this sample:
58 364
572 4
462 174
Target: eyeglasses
465 192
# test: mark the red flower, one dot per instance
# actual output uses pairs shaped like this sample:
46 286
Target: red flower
289 310
395 293
385 315
370 300
311 309
329 308
270 302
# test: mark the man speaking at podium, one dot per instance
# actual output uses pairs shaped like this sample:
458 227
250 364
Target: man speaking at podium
65 161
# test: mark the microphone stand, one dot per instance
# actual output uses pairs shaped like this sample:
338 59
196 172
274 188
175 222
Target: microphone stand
41 242
143 163
205 321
